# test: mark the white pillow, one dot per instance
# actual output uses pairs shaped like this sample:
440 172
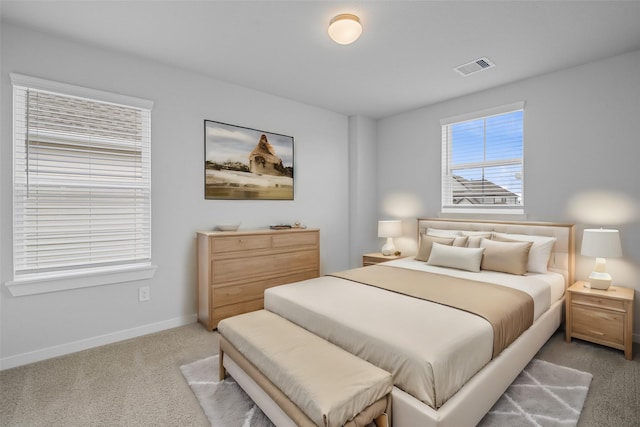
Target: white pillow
485 234
540 250
443 233
456 257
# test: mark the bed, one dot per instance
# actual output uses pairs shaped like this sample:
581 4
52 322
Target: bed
447 364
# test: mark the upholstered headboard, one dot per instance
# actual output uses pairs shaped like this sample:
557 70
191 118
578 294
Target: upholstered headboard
562 255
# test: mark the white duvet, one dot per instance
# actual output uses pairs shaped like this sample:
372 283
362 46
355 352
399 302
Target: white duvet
430 349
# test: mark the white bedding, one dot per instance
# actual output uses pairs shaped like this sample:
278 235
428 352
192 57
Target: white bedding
430 349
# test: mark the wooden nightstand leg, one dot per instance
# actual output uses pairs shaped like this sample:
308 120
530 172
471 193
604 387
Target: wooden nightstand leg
628 336
567 320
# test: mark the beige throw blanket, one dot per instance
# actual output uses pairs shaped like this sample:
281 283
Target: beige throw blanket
509 311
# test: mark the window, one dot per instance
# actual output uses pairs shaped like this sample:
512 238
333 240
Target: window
82 186
482 161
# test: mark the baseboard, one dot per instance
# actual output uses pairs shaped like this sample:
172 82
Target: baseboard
75 346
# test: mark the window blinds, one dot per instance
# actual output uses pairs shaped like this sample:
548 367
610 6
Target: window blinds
82 183
482 160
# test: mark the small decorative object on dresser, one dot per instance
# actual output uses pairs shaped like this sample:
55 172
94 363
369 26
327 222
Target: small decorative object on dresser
377 257
601 316
228 226
234 268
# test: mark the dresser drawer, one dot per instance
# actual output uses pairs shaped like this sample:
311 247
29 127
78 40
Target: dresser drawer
294 239
244 269
224 295
239 243
220 313
599 325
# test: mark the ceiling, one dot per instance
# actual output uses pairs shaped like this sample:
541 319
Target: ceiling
403 60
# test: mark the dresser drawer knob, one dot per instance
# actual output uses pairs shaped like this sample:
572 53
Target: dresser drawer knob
597 332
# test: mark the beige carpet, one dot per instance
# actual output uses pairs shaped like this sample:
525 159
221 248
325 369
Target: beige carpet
544 394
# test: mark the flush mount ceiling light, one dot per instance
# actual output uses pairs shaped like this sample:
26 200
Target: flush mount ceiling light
345 28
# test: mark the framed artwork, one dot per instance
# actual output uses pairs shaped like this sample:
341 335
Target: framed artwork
246 164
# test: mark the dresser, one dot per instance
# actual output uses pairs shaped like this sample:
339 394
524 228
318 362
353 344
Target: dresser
602 317
235 268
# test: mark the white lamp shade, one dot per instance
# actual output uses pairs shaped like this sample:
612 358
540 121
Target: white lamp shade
345 28
389 228
601 243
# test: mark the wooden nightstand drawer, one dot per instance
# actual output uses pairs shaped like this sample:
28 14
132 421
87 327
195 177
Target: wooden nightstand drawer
601 325
597 301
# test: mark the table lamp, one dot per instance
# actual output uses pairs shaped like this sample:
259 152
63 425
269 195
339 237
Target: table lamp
389 229
601 243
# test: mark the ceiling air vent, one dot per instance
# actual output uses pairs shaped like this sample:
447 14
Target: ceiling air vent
474 66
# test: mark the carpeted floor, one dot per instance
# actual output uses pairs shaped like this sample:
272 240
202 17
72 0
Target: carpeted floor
138 383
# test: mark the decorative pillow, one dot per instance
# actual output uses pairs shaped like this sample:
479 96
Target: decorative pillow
540 252
455 257
425 245
443 233
506 257
461 241
474 241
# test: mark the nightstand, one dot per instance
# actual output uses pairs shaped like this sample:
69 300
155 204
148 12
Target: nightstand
377 257
602 317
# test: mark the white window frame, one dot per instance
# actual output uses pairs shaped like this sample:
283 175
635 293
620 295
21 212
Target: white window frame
74 278
446 193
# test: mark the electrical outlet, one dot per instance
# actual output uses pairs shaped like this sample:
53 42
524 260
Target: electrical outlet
144 293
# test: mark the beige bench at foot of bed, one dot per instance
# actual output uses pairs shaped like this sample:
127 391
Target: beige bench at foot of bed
313 381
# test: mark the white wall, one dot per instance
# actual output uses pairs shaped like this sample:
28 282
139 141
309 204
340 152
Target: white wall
39 326
582 151
363 213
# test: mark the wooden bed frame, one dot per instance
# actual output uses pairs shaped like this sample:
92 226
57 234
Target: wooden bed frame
477 396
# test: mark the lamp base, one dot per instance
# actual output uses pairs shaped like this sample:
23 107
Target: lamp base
603 285
599 280
388 248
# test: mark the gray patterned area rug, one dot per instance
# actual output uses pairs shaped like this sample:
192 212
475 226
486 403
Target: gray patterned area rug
224 403
544 394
